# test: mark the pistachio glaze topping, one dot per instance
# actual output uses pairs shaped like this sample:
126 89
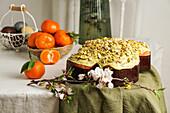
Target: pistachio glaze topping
141 47
114 52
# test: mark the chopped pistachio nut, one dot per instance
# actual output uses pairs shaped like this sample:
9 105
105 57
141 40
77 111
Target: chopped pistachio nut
99 55
109 60
128 60
84 57
90 59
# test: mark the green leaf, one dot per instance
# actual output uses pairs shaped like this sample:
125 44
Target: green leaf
51 88
71 77
155 92
30 56
74 92
55 45
53 83
69 97
74 36
75 41
101 37
68 101
54 94
72 70
86 86
71 35
126 79
161 89
158 96
88 89
69 70
24 67
31 65
61 78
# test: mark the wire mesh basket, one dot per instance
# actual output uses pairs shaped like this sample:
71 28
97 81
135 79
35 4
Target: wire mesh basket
16 41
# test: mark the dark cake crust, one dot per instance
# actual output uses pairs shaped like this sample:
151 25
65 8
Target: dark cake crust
131 74
78 68
145 63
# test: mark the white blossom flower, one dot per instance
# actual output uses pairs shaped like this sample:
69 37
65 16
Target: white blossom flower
64 78
97 73
100 85
61 96
108 71
69 91
107 75
110 85
81 76
58 88
104 76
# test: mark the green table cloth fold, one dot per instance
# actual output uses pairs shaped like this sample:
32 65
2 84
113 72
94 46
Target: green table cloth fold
117 100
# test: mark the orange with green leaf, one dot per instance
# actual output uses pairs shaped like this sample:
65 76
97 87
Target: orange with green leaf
63 37
33 69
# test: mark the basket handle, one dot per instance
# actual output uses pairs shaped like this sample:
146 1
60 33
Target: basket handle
22 8
14 8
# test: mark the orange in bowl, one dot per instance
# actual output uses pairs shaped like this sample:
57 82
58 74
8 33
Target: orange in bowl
50 26
31 39
49 56
45 41
62 38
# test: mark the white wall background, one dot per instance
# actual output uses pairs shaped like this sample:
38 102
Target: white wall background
143 19
40 9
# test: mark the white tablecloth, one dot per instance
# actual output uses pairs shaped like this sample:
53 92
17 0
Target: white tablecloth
17 97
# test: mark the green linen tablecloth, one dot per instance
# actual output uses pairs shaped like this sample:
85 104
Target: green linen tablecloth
118 100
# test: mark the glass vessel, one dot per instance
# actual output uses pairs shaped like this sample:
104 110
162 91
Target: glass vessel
94 19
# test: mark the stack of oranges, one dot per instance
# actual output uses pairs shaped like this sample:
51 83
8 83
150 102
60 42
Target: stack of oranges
50 37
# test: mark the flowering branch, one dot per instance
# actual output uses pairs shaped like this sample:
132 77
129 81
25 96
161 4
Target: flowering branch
98 77
156 92
57 85
104 78
57 81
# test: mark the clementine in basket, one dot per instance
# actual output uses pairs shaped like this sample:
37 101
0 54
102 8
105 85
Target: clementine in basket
45 41
63 38
31 39
33 69
50 26
49 56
